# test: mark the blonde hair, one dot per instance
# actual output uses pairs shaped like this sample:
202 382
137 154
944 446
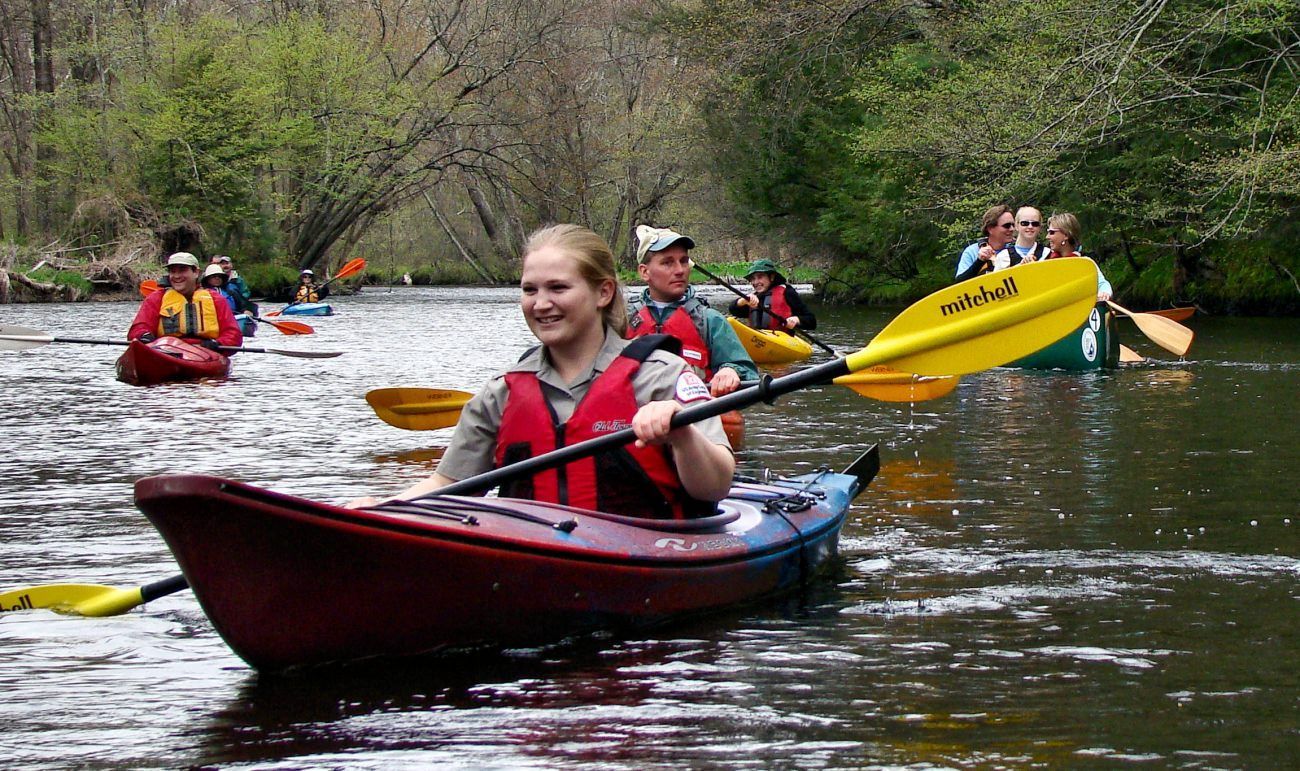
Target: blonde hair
1068 224
595 262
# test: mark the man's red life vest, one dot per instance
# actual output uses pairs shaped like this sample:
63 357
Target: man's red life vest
679 324
770 307
629 481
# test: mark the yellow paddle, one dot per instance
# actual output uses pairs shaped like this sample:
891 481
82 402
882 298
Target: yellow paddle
1164 332
889 385
979 323
418 409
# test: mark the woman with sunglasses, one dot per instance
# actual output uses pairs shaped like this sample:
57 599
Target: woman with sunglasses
582 381
999 227
1063 232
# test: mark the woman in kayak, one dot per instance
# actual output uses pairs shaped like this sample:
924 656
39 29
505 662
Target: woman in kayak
585 380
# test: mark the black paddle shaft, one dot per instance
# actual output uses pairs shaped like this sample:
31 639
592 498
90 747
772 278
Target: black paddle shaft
767 390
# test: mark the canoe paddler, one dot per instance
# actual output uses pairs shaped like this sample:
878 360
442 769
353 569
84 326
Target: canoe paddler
185 310
585 380
668 305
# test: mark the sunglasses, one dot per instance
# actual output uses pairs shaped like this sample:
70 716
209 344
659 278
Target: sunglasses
1052 231
1029 223
1007 225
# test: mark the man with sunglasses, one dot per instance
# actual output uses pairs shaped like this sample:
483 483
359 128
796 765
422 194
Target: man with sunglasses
1026 247
999 228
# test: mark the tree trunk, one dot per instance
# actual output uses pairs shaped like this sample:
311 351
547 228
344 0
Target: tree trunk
465 252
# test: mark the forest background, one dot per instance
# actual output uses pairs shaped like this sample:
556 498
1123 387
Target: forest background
861 139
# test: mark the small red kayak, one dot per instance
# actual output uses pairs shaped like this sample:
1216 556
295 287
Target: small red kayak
289 582
169 359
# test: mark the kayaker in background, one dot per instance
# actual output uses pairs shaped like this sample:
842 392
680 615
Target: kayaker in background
585 380
235 283
772 300
1063 233
308 291
1026 247
185 310
668 305
214 280
998 225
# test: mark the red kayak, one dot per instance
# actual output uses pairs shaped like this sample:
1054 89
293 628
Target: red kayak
290 582
167 359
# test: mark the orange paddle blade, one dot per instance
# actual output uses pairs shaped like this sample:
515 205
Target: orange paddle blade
353 266
290 327
148 287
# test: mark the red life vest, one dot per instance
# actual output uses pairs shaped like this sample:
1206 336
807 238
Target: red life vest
770 307
679 324
629 481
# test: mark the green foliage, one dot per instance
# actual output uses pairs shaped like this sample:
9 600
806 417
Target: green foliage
266 279
64 278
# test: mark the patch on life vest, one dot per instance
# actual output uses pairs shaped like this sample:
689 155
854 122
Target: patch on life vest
690 388
689 354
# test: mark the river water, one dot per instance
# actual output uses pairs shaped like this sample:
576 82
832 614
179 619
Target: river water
1052 569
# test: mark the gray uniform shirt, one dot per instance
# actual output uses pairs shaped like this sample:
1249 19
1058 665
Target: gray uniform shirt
474 441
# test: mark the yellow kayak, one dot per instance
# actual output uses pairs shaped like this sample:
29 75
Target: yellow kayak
768 346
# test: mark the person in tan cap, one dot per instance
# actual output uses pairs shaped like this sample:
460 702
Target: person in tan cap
668 305
185 310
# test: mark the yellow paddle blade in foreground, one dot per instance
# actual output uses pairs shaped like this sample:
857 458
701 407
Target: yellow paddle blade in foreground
986 321
418 409
79 599
889 385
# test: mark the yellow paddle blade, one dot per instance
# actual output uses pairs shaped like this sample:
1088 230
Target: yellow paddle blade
78 599
986 321
418 409
889 385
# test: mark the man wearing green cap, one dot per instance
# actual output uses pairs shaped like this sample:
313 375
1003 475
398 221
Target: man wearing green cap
186 310
774 304
668 305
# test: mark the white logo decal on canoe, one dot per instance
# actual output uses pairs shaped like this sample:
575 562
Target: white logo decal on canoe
676 544
690 388
1089 343
1094 320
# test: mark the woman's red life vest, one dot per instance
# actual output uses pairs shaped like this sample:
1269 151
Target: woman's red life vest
770 307
679 324
195 317
629 481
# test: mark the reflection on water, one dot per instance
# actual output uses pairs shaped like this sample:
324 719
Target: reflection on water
1043 558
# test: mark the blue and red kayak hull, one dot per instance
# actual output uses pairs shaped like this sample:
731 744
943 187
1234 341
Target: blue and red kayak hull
290 582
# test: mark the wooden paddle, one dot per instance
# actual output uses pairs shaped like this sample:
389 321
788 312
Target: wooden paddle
1129 355
1164 332
14 338
351 268
777 316
979 323
1177 314
287 327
